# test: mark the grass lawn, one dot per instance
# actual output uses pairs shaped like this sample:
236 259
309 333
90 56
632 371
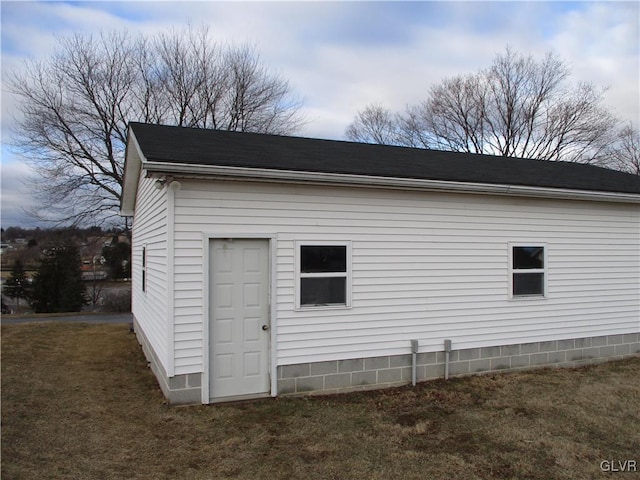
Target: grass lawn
78 402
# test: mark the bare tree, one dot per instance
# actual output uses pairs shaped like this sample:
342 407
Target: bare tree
375 124
458 105
518 107
71 130
624 154
75 107
256 99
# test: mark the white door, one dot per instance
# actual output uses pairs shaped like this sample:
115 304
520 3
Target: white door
239 317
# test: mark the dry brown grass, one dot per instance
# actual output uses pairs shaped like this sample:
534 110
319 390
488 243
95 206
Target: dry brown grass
79 403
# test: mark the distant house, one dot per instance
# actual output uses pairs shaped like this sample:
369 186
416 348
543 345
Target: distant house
270 265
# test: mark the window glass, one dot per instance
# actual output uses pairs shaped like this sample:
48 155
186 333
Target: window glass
323 259
323 275
528 284
528 271
323 291
528 257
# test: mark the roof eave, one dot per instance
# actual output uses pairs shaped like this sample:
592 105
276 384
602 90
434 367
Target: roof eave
271 175
134 158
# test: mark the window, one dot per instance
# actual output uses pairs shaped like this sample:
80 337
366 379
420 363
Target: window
144 269
324 274
528 270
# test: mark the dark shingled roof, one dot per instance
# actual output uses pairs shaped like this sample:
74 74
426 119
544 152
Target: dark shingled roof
252 150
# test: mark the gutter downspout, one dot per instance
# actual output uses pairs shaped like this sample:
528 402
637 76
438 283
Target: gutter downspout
447 351
414 354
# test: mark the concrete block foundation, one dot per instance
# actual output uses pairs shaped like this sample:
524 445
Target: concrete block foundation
179 389
385 371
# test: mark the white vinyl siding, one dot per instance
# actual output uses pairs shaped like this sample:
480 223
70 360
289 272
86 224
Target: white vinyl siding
425 266
149 232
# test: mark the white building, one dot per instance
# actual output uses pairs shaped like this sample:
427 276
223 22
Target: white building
269 265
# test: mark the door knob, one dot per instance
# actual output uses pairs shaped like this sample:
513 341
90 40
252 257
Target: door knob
265 327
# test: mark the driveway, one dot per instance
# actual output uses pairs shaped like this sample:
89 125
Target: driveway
76 318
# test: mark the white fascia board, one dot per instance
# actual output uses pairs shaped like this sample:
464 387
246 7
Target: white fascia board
134 158
271 175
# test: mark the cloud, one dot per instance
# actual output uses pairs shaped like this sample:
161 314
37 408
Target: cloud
16 198
29 28
600 41
341 56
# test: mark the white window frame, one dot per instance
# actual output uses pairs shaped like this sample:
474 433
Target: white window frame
544 270
299 275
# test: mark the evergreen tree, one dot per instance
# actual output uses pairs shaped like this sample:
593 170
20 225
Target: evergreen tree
57 283
118 259
17 285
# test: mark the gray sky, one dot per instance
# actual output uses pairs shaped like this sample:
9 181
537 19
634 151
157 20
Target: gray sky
342 56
